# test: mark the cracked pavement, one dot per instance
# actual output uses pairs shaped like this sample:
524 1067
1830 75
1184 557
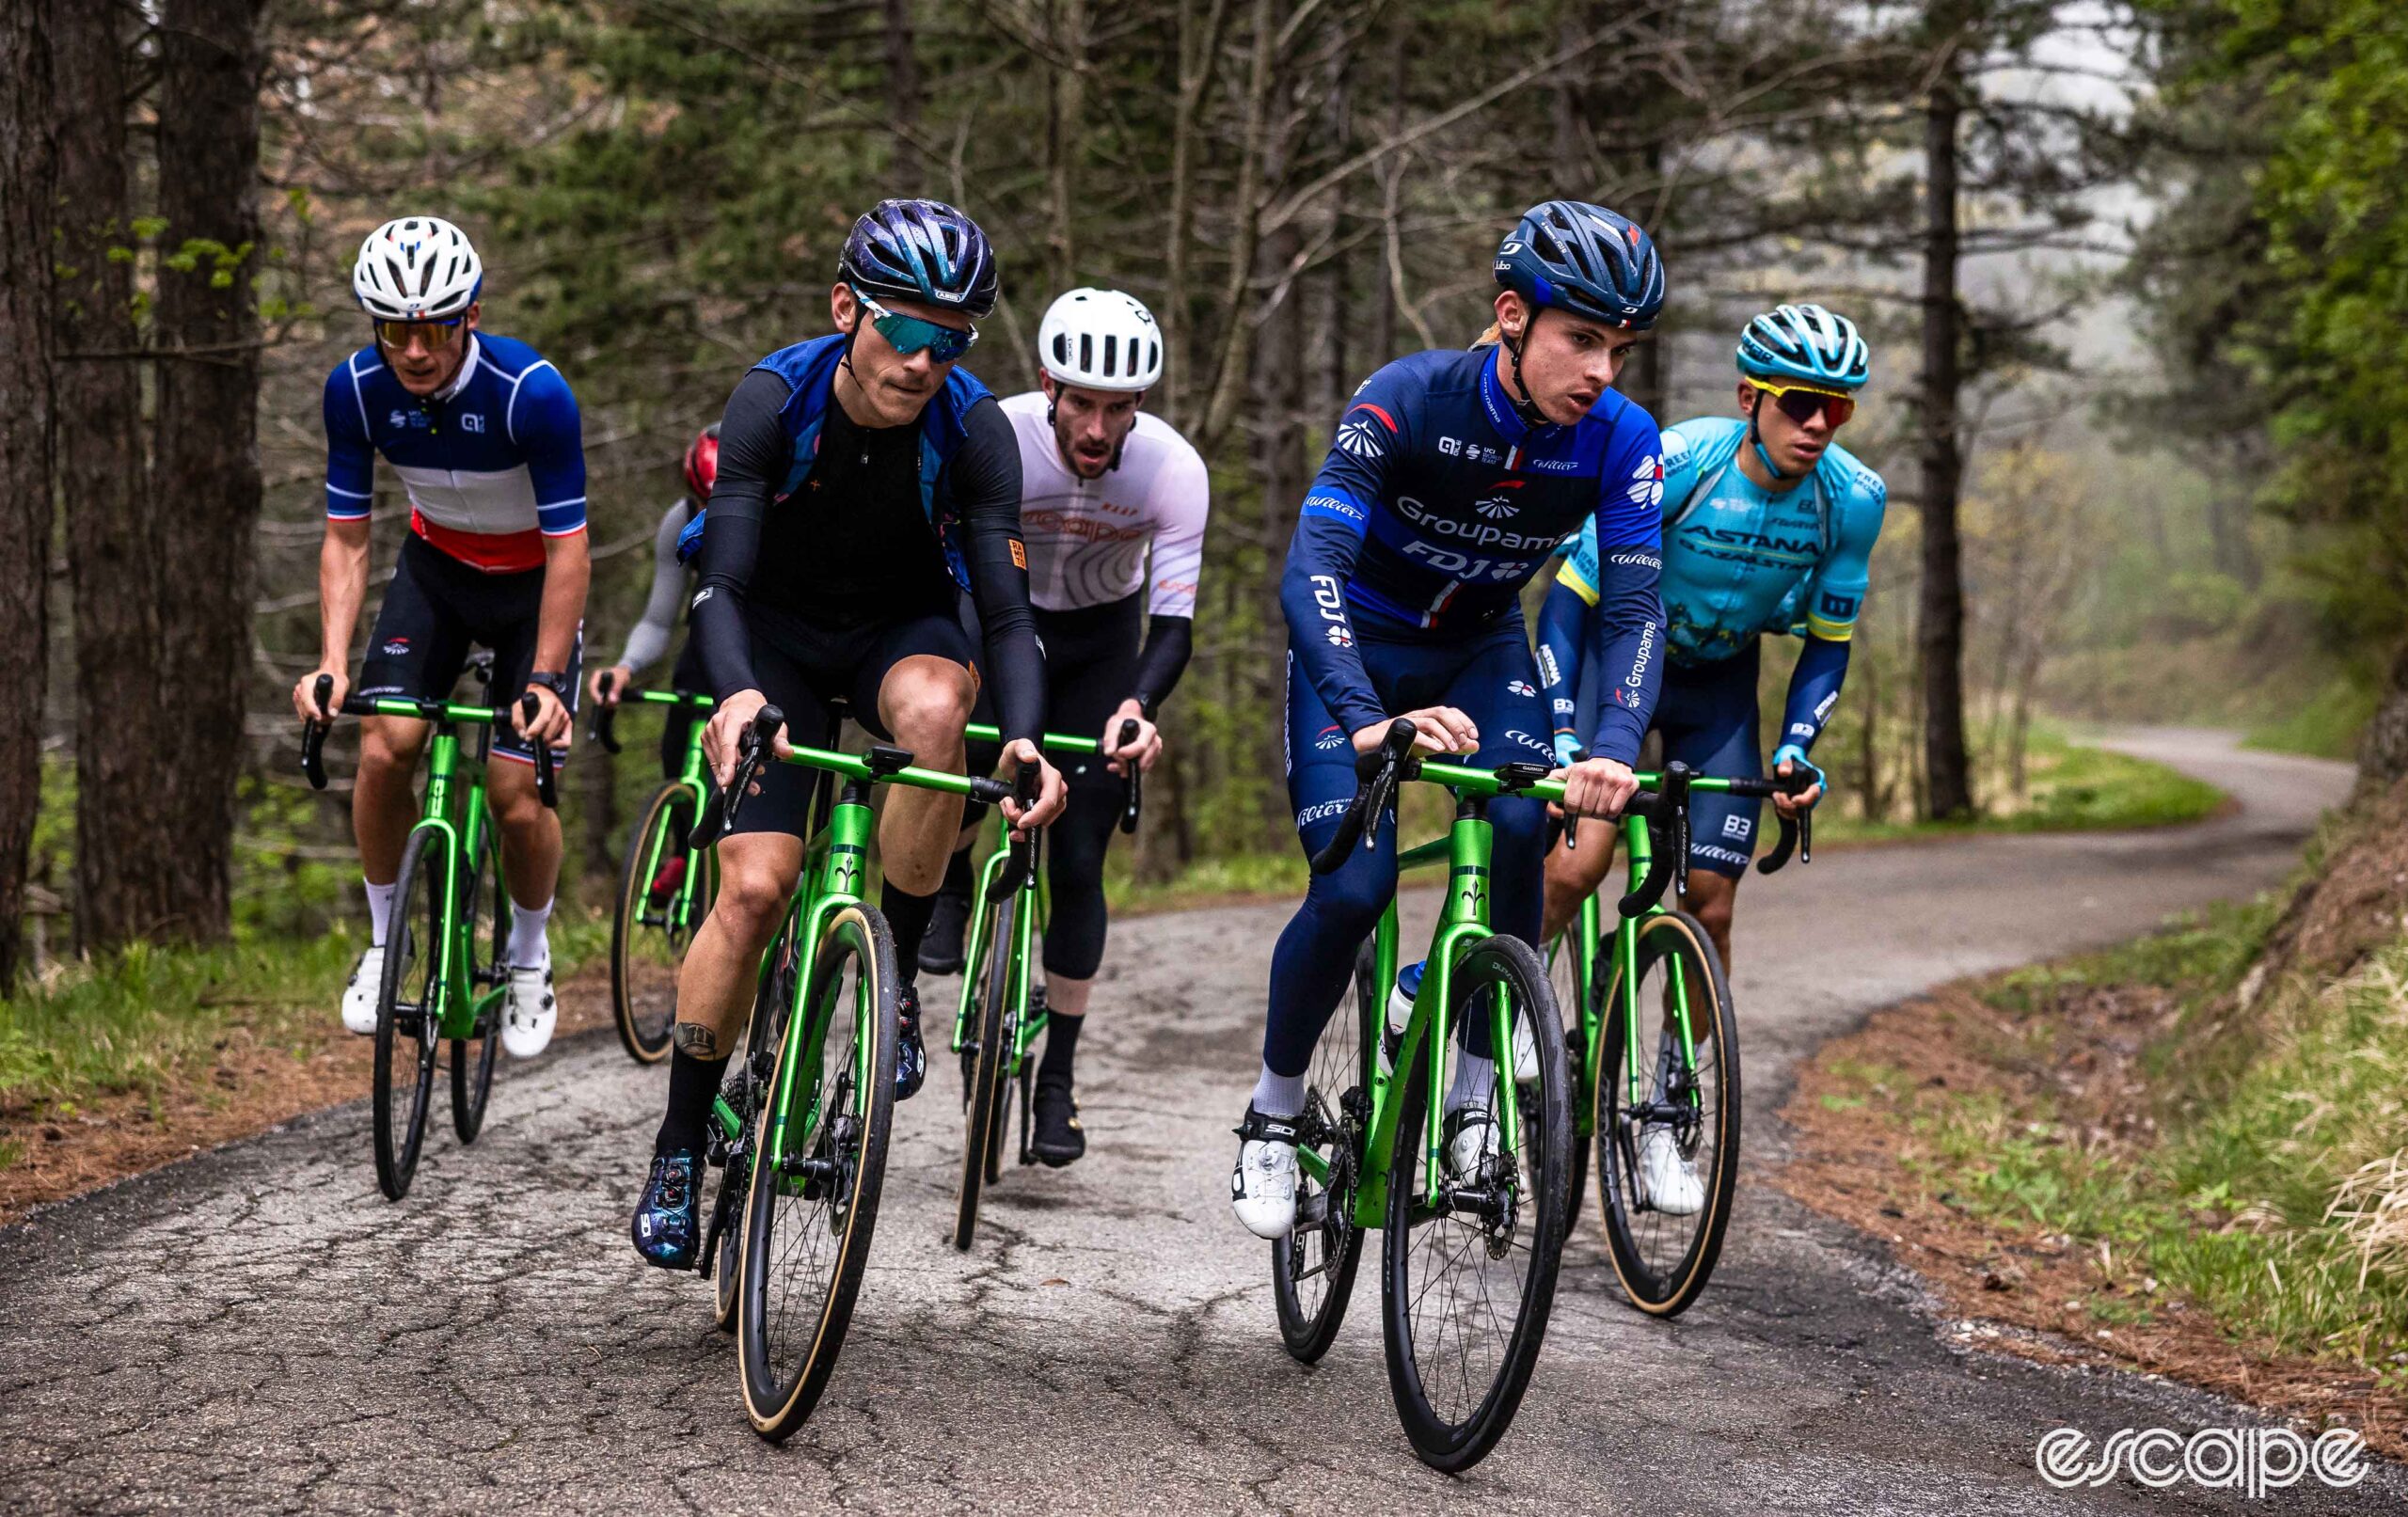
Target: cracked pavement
258 1331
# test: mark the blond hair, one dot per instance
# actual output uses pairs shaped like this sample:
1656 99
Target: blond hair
1494 335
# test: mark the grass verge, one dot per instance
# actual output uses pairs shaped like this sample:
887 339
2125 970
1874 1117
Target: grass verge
2070 787
2143 1157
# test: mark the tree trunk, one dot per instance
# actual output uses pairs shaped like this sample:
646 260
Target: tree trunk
1066 130
903 99
207 455
122 787
1940 620
28 189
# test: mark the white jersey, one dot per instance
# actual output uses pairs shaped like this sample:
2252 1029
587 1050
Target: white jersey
1087 539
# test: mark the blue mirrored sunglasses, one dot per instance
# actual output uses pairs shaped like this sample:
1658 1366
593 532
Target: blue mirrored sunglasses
908 335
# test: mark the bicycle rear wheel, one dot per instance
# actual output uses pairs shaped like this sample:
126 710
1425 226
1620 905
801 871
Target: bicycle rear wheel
1312 1269
1564 977
1470 1280
818 1162
649 928
488 911
985 1058
1663 1257
409 1001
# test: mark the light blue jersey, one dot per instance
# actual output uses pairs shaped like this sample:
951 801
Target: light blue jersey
1740 560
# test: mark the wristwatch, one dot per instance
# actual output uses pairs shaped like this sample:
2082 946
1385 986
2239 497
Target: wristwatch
557 683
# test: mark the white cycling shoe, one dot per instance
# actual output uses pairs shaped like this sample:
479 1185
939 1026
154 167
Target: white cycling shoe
1408 985
1670 1180
360 996
529 1011
1474 1153
1262 1188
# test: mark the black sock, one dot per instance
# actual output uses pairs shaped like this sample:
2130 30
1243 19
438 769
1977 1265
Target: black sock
956 876
692 1082
908 916
1061 1047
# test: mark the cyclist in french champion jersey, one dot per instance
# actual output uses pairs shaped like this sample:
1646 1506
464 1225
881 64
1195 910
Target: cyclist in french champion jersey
1113 504
671 584
485 435
1453 477
866 482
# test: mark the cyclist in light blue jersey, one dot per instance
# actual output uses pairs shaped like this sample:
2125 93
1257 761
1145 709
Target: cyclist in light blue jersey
1768 526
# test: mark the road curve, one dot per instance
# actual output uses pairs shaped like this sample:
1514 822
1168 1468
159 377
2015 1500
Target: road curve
257 1331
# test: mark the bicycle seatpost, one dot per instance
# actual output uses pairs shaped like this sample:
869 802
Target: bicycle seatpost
1133 781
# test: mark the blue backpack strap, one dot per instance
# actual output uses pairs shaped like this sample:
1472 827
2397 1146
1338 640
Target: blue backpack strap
690 537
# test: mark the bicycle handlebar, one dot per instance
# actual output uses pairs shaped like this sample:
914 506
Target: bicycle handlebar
753 753
313 733
1379 771
1027 787
1795 837
546 790
1132 793
606 712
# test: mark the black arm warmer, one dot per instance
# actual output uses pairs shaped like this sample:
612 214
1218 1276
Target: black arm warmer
984 483
753 451
1169 639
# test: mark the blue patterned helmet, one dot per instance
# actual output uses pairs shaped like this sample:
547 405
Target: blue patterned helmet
1586 260
1805 345
921 251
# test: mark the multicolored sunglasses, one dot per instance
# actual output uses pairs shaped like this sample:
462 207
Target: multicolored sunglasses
908 335
1800 402
438 334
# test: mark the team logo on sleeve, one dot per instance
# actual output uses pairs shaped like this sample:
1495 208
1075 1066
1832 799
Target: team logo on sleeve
1647 484
1358 439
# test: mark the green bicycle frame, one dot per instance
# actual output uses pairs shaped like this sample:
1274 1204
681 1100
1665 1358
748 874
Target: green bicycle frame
453 815
681 916
1466 851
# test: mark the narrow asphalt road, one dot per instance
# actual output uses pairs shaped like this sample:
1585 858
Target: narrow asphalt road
257 1331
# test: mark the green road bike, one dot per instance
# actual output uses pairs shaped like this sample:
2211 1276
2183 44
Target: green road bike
801 1129
1672 1079
1003 996
1468 1262
665 884
447 963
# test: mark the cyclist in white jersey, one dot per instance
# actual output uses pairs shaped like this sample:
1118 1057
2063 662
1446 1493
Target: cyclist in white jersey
1112 507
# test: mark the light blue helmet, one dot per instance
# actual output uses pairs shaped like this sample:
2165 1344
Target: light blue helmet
1805 345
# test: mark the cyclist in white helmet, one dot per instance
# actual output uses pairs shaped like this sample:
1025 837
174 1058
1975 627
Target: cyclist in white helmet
485 436
1112 507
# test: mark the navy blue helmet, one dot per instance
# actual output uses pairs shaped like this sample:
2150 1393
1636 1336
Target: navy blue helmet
1586 260
921 251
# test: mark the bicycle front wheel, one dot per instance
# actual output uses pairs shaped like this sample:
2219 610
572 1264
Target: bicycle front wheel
818 1162
650 928
1667 1121
1471 1251
409 1007
1312 1269
723 1238
984 1059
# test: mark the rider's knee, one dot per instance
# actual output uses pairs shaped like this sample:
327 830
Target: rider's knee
1348 901
927 701
752 894
386 750
514 800
1581 870
1713 907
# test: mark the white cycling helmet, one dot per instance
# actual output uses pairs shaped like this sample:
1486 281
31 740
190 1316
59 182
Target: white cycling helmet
1100 340
416 269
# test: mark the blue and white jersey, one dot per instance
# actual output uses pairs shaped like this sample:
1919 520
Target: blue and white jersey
1437 503
494 464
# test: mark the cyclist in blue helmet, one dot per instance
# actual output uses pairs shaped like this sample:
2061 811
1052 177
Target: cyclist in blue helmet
866 483
1453 477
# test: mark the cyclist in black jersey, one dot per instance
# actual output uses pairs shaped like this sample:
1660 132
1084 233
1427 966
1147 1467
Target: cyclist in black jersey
864 482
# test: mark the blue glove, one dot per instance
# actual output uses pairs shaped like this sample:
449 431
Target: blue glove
1792 754
1567 749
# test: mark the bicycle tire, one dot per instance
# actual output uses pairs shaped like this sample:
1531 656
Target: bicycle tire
1330 1247
406 1034
985 1057
647 1017
472 1057
723 1235
1660 1281
1564 976
1442 1440
849 1136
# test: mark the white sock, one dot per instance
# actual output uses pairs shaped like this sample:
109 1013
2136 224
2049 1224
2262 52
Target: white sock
380 908
1276 1095
528 949
1475 1081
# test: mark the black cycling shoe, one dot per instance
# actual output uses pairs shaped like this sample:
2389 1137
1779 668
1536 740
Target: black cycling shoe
668 1221
1058 1140
911 1055
941 946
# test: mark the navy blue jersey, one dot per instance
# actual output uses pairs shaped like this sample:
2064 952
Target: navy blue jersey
1437 503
